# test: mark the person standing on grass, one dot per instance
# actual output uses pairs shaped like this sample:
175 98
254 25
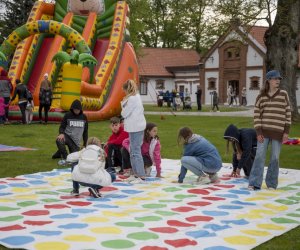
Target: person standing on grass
134 124
272 121
199 156
198 97
244 97
45 98
5 91
215 101
21 91
73 127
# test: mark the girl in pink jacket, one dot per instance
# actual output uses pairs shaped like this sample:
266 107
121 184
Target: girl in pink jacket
150 151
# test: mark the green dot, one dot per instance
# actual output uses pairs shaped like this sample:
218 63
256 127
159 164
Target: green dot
298 194
11 218
172 189
183 196
294 214
284 220
9 208
149 218
47 192
27 203
169 201
287 188
118 244
50 200
154 205
187 186
165 213
130 224
67 190
143 236
295 184
295 198
286 202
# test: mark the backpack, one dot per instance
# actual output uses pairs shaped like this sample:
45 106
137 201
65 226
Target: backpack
89 161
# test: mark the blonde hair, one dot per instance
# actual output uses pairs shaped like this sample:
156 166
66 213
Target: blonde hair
184 134
94 141
130 87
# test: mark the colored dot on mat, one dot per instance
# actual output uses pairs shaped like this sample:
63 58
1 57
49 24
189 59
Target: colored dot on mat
240 240
79 238
200 234
165 213
164 229
12 228
199 203
153 248
181 243
142 236
74 226
177 223
275 207
270 226
117 244
106 230
199 218
11 218
64 216
198 191
148 218
130 224
154 205
284 220
95 219
36 212
114 214
215 213
5 209
256 232
52 245
230 207
47 233
17 240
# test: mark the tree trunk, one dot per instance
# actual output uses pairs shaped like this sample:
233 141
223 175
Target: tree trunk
282 41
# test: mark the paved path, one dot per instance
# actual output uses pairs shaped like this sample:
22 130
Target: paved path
246 113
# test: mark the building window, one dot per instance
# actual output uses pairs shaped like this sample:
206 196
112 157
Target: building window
160 84
232 53
143 86
212 83
254 83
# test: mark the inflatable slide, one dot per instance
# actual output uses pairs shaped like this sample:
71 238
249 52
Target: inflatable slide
98 31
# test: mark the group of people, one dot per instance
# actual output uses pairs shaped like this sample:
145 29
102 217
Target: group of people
25 98
232 96
134 144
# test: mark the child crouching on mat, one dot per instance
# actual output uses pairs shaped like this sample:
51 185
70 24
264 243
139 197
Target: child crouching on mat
199 156
89 170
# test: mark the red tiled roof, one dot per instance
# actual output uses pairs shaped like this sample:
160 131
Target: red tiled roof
153 61
258 33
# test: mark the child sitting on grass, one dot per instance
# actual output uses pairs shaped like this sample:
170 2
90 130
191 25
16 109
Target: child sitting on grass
89 169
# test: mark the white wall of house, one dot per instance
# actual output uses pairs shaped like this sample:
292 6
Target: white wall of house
215 74
213 60
254 58
252 94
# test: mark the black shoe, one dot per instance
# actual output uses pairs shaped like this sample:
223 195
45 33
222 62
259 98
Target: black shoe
94 193
56 155
75 192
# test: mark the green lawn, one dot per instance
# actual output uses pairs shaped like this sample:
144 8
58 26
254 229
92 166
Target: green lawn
42 137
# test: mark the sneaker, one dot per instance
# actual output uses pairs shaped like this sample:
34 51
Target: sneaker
148 171
94 193
56 155
202 180
75 192
137 180
130 178
128 173
213 178
62 162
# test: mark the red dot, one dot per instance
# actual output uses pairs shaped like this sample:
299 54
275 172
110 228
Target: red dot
164 229
177 223
199 203
199 218
183 209
181 242
198 191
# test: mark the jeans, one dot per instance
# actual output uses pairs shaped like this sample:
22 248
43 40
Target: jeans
22 107
257 171
61 145
191 163
136 159
114 156
46 109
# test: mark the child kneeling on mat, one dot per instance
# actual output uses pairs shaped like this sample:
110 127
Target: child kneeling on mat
89 168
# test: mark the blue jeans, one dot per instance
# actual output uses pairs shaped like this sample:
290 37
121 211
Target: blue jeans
257 171
136 159
191 163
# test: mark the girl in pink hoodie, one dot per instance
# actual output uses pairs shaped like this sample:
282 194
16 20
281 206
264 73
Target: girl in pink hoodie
3 106
150 150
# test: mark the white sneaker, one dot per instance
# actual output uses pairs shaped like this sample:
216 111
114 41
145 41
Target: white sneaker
202 180
148 171
213 177
137 180
128 173
130 178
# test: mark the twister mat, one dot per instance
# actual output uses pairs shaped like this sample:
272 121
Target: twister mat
37 212
5 148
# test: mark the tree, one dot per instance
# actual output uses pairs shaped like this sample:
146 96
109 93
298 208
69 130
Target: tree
15 15
282 41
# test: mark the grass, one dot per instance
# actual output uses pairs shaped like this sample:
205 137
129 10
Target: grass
205 108
42 137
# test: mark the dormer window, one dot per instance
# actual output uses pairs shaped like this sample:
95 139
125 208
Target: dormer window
232 53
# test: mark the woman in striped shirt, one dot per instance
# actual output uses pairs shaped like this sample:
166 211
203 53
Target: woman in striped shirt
272 120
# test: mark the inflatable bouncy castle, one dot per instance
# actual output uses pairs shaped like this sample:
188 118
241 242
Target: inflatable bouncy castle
95 33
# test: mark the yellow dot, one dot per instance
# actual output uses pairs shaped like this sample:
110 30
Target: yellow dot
255 232
125 203
270 227
256 199
94 219
52 245
106 230
277 208
114 214
240 240
79 238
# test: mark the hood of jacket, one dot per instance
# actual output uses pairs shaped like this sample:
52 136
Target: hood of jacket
194 138
232 132
76 104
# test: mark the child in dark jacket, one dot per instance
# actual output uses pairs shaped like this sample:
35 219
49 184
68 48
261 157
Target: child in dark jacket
199 156
244 144
114 144
215 101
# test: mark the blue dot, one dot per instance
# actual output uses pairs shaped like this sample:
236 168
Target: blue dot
132 191
98 200
215 213
18 185
3 186
37 182
47 233
231 207
239 191
116 196
4 194
83 211
74 226
34 176
17 240
64 216
200 233
105 206
121 184
235 222
216 227
244 203
50 174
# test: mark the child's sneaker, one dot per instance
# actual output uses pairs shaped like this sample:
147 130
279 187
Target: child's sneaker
213 178
94 193
137 180
75 192
202 180
128 173
62 163
130 178
148 171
